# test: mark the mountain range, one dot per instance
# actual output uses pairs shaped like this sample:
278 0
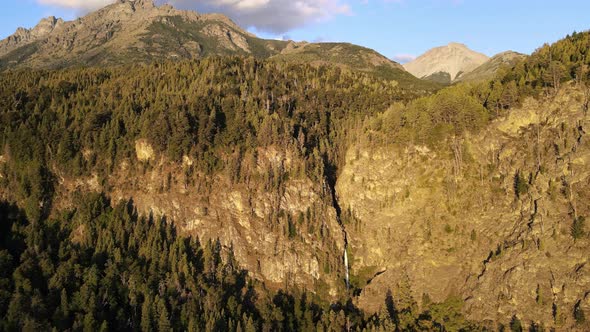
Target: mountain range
139 31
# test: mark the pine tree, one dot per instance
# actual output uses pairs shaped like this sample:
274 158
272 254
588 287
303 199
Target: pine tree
89 323
104 327
146 315
163 320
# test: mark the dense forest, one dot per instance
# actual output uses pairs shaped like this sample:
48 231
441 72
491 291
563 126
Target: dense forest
80 120
102 266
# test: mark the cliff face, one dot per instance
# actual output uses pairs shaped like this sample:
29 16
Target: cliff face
287 236
490 221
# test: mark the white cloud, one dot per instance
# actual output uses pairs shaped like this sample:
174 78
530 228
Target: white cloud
83 5
274 16
403 58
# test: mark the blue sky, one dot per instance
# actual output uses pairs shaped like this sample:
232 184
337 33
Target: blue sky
396 28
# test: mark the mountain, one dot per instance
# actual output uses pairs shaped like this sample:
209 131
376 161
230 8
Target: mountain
489 68
445 64
139 31
129 32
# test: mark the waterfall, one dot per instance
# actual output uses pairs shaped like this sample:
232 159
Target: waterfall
346 267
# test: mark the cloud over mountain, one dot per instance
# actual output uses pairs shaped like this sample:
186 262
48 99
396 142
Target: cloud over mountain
403 58
274 16
84 5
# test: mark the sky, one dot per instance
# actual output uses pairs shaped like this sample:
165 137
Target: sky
398 29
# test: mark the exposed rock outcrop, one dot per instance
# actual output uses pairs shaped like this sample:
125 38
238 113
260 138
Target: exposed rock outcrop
505 248
247 217
24 36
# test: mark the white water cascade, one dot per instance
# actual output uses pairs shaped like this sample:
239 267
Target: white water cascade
346 267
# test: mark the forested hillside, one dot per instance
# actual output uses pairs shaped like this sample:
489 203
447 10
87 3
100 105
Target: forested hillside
221 194
212 116
79 121
94 266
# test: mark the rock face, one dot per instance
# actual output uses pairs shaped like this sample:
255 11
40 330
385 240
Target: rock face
453 59
247 217
24 36
490 67
464 224
143 150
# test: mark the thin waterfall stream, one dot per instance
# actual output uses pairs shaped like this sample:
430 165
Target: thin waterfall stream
331 181
346 266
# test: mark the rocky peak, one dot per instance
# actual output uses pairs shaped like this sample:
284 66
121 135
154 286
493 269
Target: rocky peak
24 36
46 26
20 31
453 59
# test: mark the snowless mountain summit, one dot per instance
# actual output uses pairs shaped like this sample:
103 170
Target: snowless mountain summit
446 63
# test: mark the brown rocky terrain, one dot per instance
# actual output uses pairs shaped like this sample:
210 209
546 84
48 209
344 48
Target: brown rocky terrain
246 217
459 223
24 36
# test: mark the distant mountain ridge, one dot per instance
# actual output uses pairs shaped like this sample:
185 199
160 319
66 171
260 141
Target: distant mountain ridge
351 56
489 68
139 31
445 64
